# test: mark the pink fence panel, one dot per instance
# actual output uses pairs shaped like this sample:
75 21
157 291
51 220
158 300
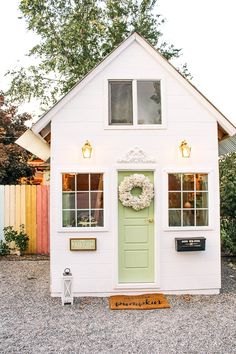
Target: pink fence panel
42 216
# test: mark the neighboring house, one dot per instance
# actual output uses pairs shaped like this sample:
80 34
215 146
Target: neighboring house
135 109
41 173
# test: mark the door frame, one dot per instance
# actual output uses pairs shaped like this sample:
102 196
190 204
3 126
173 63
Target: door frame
157 223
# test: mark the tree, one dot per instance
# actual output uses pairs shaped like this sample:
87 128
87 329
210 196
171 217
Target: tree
76 35
13 159
228 185
228 201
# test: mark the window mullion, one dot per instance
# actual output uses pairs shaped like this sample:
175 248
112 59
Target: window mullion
135 103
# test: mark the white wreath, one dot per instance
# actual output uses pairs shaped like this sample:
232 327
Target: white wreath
136 202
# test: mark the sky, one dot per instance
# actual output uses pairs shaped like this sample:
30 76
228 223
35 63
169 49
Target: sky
204 29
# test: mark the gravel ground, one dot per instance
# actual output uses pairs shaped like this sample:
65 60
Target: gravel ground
33 322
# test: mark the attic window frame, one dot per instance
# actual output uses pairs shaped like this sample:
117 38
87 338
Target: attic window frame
135 125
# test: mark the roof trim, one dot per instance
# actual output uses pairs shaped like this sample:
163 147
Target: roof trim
221 119
45 119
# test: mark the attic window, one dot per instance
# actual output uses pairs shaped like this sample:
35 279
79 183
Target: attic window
120 102
135 102
149 102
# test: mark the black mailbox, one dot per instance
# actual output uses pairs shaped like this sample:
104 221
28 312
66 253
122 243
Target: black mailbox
190 244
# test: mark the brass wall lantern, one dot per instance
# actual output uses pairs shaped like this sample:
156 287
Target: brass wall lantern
185 149
87 150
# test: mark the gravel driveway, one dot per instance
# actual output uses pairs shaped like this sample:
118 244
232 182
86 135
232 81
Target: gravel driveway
33 322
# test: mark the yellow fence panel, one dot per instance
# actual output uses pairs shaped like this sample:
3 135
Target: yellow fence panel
31 217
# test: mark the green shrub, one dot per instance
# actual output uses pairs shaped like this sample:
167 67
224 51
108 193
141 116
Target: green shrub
227 164
20 238
4 249
228 235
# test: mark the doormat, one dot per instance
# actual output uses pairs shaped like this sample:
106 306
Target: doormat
138 302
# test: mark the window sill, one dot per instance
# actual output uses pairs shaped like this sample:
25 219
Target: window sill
82 229
136 127
189 228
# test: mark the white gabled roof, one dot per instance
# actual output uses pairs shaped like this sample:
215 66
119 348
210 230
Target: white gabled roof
227 126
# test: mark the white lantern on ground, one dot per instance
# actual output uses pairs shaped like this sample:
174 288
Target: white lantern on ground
67 295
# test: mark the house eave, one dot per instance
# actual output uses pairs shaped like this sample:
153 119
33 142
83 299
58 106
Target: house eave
35 144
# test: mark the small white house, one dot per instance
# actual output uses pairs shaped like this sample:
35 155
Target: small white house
143 121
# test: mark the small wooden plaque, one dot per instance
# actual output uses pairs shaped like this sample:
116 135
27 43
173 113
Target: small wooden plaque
83 244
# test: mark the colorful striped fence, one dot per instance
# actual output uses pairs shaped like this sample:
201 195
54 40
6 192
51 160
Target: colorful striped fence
28 205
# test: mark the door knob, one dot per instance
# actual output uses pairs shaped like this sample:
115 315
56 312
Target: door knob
150 220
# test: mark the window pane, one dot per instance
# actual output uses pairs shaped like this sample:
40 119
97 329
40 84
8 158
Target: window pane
83 200
97 218
120 102
175 200
82 182
68 182
202 217
188 182
202 181
68 218
149 102
201 200
83 218
174 218
68 200
188 200
188 218
96 181
174 182
96 200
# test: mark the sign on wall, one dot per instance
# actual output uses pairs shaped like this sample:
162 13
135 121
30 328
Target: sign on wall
83 244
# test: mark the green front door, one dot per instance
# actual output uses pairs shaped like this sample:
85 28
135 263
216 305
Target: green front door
136 240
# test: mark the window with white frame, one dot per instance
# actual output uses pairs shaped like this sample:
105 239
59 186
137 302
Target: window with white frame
188 199
135 102
82 200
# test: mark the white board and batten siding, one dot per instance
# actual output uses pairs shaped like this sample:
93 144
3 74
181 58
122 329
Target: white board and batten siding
84 117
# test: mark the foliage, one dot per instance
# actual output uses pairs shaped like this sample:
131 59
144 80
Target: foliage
228 235
228 202
4 249
76 35
20 238
13 159
228 185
